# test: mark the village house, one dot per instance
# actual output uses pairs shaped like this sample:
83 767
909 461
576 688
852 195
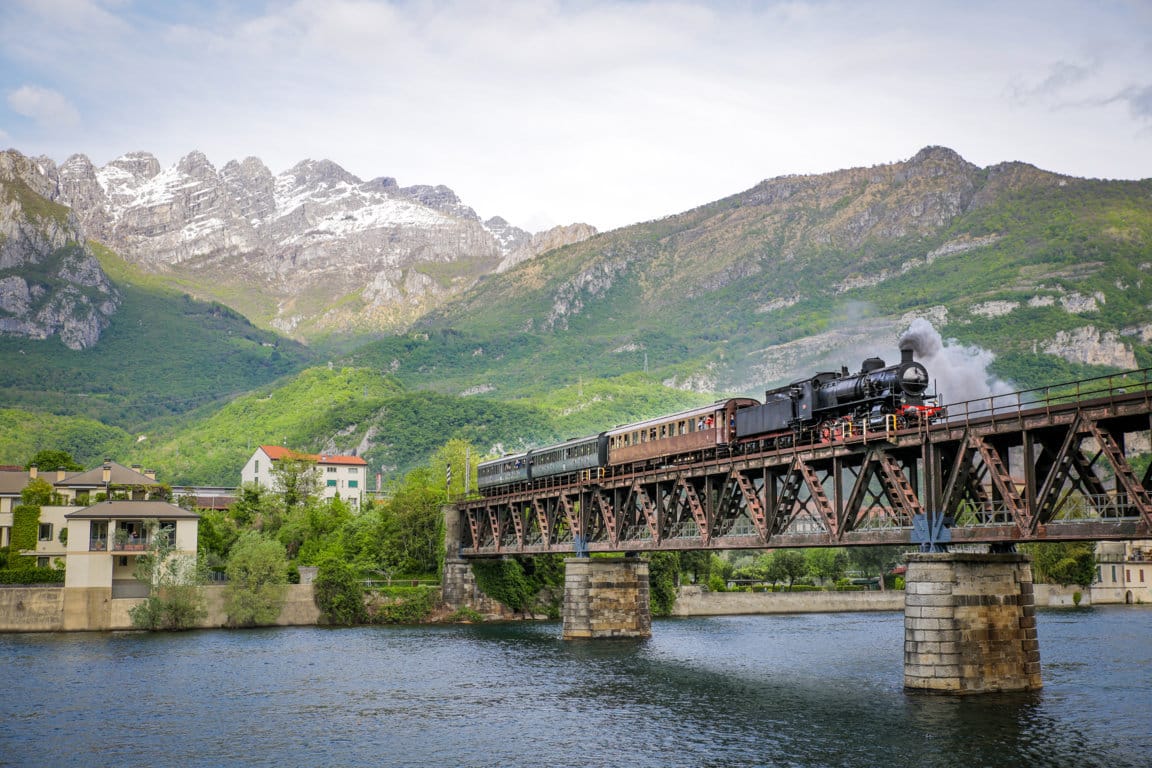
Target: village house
340 476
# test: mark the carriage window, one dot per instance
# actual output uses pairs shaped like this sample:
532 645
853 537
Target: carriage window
663 431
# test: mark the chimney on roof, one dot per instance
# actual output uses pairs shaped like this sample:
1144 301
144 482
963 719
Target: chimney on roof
150 474
60 474
33 471
136 468
106 476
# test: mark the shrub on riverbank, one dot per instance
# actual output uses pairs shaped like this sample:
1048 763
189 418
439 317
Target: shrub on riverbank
400 605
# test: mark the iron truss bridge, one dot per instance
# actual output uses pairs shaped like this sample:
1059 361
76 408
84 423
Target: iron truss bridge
1038 465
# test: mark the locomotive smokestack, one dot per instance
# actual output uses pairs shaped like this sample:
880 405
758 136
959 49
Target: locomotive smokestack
906 355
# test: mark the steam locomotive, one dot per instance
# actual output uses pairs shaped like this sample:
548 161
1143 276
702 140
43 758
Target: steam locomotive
825 407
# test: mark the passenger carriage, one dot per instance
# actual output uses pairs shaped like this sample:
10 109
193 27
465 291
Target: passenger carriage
687 436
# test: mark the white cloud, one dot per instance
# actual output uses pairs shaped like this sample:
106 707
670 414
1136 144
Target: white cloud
47 108
607 112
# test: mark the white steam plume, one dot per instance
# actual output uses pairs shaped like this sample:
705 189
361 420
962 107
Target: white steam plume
960 373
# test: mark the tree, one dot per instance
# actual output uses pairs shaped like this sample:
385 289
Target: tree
37 493
1063 562
791 563
175 600
663 572
875 560
826 562
696 562
50 460
338 593
257 580
413 523
297 481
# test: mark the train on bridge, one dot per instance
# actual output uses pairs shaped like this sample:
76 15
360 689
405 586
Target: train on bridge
824 407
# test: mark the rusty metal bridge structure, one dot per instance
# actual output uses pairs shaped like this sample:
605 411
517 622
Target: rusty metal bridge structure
1048 464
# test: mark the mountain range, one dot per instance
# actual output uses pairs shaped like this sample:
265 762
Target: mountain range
1023 277
311 251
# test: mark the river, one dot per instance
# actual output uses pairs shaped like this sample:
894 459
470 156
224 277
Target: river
798 690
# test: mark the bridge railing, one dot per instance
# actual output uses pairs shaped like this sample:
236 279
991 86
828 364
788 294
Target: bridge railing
1110 386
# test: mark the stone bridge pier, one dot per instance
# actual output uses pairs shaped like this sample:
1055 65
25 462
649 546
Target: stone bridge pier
970 624
606 597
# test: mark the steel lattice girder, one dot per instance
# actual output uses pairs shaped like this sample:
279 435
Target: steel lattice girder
1002 479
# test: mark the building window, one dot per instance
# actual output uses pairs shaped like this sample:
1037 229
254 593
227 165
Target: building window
256 467
45 532
41 562
1127 575
356 484
1141 575
331 483
352 470
1113 574
331 469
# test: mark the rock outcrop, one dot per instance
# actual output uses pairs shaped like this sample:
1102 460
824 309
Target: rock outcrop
50 281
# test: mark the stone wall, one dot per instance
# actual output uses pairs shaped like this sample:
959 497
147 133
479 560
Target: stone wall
55 609
31 609
697 601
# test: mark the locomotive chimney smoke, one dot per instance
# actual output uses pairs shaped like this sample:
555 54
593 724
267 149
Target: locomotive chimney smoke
921 339
961 373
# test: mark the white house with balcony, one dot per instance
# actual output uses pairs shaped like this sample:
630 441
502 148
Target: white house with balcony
340 476
104 542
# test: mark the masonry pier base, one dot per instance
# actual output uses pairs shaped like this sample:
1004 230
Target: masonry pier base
970 624
606 598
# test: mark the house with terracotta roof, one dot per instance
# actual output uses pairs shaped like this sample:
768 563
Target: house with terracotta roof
340 476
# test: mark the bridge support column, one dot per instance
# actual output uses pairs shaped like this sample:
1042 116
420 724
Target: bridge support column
970 624
606 598
458 585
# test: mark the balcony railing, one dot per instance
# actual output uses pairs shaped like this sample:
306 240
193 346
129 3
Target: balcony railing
98 544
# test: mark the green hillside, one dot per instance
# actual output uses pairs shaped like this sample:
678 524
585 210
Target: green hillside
164 355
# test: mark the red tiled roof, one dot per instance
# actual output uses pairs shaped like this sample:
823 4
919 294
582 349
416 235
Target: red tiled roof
277 452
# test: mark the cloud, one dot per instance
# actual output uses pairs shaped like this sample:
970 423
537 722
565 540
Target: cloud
1139 101
1060 78
48 108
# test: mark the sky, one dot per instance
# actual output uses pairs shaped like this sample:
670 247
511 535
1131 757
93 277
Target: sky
551 112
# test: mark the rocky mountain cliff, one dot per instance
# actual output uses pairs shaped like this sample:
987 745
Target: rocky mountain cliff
50 282
310 251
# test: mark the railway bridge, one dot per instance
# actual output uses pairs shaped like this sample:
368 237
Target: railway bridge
1050 464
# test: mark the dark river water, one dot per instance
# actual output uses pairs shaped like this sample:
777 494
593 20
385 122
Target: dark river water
806 690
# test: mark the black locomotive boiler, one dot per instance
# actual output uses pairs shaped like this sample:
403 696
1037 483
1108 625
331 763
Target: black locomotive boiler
831 405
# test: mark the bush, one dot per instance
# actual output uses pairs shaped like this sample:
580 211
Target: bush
466 615
257 580
32 575
338 593
504 581
663 568
401 605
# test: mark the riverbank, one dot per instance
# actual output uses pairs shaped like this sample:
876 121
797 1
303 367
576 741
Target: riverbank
47 609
